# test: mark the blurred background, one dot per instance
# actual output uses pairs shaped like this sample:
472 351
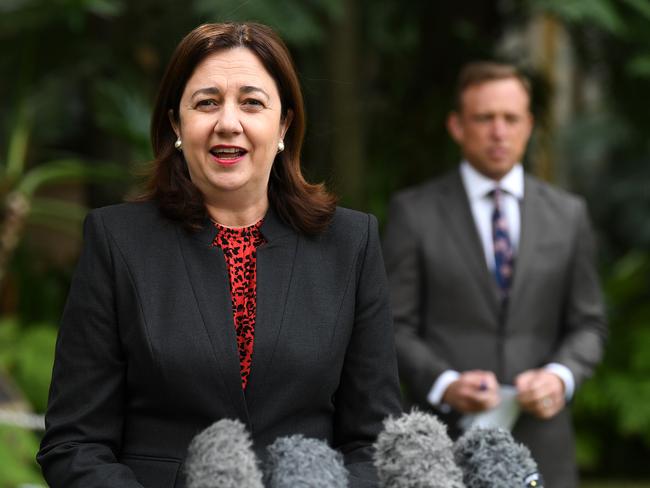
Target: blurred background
77 83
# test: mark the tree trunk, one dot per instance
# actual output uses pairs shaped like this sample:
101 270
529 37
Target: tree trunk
347 151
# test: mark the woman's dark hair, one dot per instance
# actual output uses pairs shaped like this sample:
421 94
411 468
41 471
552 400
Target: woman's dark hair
306 207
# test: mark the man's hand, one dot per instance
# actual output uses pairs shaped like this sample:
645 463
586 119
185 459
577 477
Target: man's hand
473 391
540 392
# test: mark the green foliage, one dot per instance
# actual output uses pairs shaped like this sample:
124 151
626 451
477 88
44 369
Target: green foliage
639 66
640 7
27 354
123 111
38 14
41 114
609 161
601 13
298 21
617 398
17 448
31 162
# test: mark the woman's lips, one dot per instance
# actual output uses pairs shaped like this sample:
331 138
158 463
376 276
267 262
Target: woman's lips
228 155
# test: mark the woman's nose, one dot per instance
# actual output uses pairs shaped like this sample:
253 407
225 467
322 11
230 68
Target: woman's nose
228 120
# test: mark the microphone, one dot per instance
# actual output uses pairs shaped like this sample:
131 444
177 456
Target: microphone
414 450
299 462
490 458
221 457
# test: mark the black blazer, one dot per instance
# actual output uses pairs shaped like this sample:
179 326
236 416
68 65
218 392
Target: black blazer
146 355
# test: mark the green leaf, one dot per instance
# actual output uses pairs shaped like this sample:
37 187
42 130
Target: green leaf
641 6
638 320
628 278
588 447
57 215
601 13
123 110
53 208
639 66
69 170
7 6
297 21
18 142
105 8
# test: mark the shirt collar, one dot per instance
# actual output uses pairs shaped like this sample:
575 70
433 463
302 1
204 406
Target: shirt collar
478 185
272 227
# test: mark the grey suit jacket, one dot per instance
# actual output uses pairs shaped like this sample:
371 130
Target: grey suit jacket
146 356
447 308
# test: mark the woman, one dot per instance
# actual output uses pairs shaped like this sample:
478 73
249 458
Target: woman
234 289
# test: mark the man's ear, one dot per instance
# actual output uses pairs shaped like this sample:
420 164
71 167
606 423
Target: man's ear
455 127
174 122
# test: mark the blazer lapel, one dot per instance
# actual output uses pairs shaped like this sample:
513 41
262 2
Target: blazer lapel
460 223
206 268
275 262
530 228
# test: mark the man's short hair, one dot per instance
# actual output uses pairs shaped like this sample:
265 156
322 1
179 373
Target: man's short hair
478 72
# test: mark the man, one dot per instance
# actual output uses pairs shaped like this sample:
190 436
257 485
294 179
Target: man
493 280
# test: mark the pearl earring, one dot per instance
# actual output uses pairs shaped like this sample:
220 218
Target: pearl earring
178 144
280 146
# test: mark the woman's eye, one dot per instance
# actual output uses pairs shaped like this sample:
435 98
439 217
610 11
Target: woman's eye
206 103
254 103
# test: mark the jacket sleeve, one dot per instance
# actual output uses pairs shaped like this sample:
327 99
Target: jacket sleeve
419 366
84 418
369 386
585 328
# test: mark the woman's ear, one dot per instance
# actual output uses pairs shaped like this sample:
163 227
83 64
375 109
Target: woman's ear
285 123
174 122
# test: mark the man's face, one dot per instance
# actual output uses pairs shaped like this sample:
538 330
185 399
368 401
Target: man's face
493 125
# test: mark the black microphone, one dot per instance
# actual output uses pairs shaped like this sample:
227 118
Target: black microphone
490 458
221 457
299 462
414 450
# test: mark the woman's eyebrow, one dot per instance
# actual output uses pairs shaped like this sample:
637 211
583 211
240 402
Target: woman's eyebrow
211 90
250 89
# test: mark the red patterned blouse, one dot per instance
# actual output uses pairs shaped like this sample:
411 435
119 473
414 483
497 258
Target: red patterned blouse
239 246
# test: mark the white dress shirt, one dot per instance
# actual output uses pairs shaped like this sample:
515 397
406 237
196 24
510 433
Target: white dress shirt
478 188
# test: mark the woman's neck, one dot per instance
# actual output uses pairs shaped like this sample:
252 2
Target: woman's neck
230 215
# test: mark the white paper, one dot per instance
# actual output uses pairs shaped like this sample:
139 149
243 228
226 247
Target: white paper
504 415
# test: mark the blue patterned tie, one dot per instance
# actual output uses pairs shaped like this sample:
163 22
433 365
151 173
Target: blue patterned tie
503 256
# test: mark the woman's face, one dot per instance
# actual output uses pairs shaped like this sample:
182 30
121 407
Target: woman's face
230 125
